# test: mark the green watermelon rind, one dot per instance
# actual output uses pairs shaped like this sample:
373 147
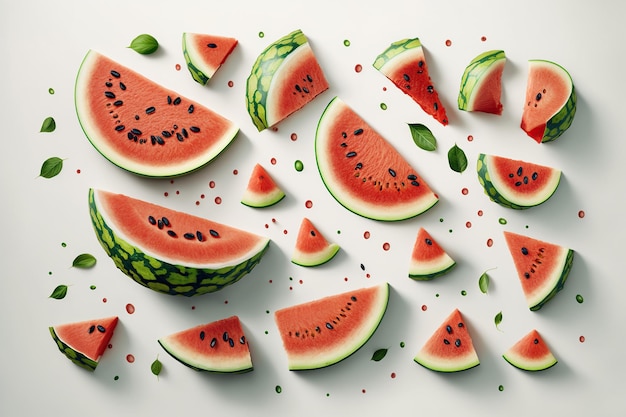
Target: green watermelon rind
162 276
476 70
197 74
224 370
264 200
315 259
395 49
534 366
75 356
499 195
443 268
559 284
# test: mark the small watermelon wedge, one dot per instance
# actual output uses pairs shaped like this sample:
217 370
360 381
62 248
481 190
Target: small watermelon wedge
285 77
428 259
530 353
542 267
516 184
262 190
550 104
312 248
481 83
84 342
450 348
325 331
205 54
404 64
220 346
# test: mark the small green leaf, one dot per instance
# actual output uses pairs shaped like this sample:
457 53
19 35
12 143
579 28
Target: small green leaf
48 125
423 137
156 366
379 354
84 260
483 281
51 167
457 159
144 44
498 319
59 292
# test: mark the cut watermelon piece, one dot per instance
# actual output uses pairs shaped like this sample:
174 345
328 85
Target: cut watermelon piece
323 332
550 104
542 267
450 348
516 184
170 251
363 171
143 127
481 83
262 190
312 248
404 63
428 259
84 342
205 54
220 346
530 353
285 77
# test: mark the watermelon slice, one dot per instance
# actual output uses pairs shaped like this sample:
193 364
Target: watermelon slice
516 184
550 104
285 77
323 332
143 127
542 267
428 259
481 83
84 342
404 63
204 54
170 251
312 248
363 171
450 348
530 353
220 346
262 190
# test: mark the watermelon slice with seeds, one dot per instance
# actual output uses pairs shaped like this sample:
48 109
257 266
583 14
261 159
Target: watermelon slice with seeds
530 353
312 248
262 190
428 259
205 54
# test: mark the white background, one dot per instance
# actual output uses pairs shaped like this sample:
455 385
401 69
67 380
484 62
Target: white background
42 44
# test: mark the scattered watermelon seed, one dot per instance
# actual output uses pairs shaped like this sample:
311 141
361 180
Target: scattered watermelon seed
393 375
130 358
214 233
231 83
104 300
213 342
130 309
581 339
468 224
218 200
581 214
366 235
177 66
308 204
464 191
480 213
579 298
116 377
489 242
524 251
273 161
470 138
100 328
202 335
294 137
386 246
448 42
91 329
424 307
358 68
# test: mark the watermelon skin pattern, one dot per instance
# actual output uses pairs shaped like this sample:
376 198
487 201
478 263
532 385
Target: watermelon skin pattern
76 357
560 122
162 276
477 69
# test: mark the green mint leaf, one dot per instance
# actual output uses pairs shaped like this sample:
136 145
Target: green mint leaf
498 319
59 292
483 281
84 260
156 366
144 44
423 137
457 159
51 167
48 125
379 354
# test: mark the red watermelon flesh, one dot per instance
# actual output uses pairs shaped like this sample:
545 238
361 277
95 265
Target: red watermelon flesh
530 353
325 331
143 127
89 338
219 346
488 96
262 190
205 53
311 247
450 348
428 259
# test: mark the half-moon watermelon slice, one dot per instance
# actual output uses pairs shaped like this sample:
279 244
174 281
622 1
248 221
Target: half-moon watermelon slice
550 104
312 248
285 77
170 251
542 267
404 63
428 259
84 342
262 190
530 353
142 126
220 346
323 332
363 171
450 348
205 54
516 184
481 83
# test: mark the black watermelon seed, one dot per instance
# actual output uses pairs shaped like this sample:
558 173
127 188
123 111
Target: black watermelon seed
136 131
411 177
363 267
457 342
190 109
122 86
519 171
449 329
214 233
406 77
172 233
344 135
526 275
525 180
160 224
353 298
153 140
306 90
430 89
119 128
428 242
152 220
358 166
351 154
518 183
185 134
524 251
118 103
536 341
420 64
317 329
136 117
313 233
211 45
242 340
109 94
179 137
115 74
101 328
166 221
535 176
166 134
460 325
435 106
329 326
169 100
194 129
225 336
130 136
358 132
189 236
91 329
308 77
511 175
213 342
150 110
415 183
392 172
446 341
202 335
538 96
231 342
159 140
199 236
177 101
109 84
298 88
343 145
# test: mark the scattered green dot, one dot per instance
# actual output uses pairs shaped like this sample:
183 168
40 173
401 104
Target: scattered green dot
93 287
290 278
579 298
346 42
261 35
449 230
298 165
116 377
501 388
328 394
63 244
279 389
266 332
437 295
441 220
383 106
502 220
267 312
526 226
49 272
463 293
402 344
51 90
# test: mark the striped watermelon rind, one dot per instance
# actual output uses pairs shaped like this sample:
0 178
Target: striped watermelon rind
477 71
72 354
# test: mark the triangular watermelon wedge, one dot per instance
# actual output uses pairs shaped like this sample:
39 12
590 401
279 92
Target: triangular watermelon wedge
530 353
262 190
312 248
450 348
428 259
205 54
84 342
